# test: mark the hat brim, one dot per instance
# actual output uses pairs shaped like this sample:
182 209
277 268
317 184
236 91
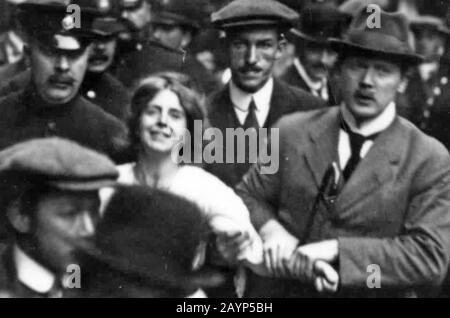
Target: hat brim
344 47
203 278
82 185
296 34
262 22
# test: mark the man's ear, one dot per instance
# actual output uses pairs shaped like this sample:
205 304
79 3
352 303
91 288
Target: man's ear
281 48
19 221
403 84
186 39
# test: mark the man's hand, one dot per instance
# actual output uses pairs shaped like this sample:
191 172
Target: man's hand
327 279
300 267
232 246
278 245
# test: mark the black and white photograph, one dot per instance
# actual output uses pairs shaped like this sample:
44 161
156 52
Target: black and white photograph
242 151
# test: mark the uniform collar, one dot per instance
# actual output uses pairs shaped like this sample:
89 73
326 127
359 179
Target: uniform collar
375 125
31 273
241 99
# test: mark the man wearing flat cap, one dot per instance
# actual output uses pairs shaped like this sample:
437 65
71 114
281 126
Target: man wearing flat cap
50 204
253 99
50 104
359 187
315 59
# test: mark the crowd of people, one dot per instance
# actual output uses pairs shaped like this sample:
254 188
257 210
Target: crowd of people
99 98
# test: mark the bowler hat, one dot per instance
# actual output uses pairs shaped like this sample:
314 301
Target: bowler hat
180 12
389 39
155 236
241 13
319 22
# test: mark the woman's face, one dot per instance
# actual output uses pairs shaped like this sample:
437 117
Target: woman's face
163 122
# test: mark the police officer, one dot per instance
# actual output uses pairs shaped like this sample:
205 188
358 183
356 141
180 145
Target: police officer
99 85
50 105
49 190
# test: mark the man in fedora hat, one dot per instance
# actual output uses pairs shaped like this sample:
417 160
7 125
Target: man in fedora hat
427 87
358 186
151 244
315 59
50 204
253 99
50 104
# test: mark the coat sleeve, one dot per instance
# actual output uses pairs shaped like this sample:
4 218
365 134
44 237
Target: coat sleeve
419 255
260 190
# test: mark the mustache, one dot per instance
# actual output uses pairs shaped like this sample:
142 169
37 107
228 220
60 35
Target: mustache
64 79
98 57
250 68
364 94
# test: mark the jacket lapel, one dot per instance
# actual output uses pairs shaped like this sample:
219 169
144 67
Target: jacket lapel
324 141
279 103
376 168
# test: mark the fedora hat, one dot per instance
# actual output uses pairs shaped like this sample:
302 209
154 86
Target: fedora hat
320 22
390 40
155 236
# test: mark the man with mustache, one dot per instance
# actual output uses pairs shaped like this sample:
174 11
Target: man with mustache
315 59
99 85
50 104
50 204
359 187
254 39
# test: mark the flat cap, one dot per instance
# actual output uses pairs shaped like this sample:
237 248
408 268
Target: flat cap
55 162
250 12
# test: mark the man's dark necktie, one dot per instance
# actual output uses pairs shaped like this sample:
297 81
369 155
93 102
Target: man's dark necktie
356 143
251 121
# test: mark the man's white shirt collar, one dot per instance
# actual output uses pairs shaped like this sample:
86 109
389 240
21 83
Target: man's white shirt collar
374 126
31 273
313 85
241 101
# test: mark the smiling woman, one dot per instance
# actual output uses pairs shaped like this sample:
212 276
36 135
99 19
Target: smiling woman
164 108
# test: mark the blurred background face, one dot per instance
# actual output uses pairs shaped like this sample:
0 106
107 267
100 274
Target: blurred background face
369 85
62 222
317 59
173 36
429 43
137 17
58 74
163 122
253 53
102 54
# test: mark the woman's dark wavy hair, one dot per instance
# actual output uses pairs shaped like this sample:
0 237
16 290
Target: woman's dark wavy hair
192 101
